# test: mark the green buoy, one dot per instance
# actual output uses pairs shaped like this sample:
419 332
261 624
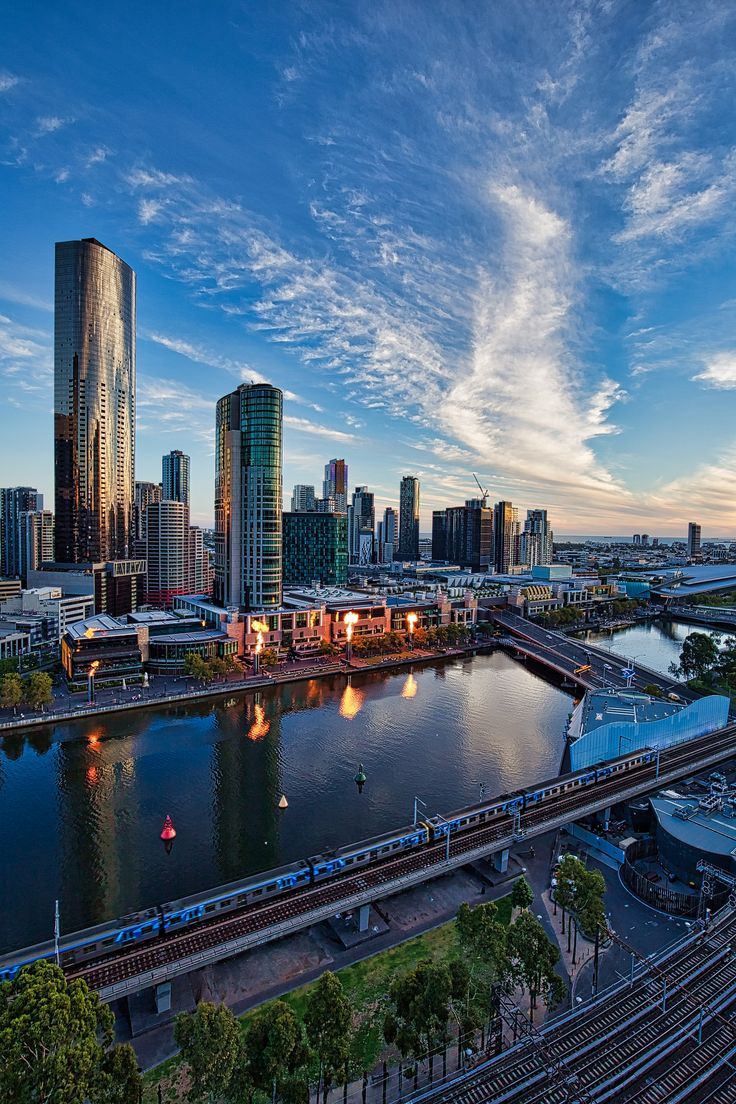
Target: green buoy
360 778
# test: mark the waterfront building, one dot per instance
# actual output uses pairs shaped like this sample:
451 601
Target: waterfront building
387 533
693 540
167 552
248 497
302 498
335 485
14 501
36 540
361 526
409 518
145 494
175 477
315 548
536 540
94 402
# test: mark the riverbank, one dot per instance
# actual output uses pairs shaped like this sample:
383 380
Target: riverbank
228 686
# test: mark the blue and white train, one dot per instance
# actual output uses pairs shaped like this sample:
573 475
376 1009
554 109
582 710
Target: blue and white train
105 940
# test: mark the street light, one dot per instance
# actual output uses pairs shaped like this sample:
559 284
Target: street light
442 820
418 801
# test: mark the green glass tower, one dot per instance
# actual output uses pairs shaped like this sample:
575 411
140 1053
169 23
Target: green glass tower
315 549
248 497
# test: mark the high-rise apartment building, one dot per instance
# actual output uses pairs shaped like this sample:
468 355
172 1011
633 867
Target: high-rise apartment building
409 518
315 549
388 529
14 501
167 552
175 477
439 535
36 541
302 498
468 535
145 494
94 402
536 540
335 485
361 526
505 536
693 540
199 562
248 497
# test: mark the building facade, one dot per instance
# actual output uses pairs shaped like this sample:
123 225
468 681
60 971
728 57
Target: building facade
693 540
14 501
536 540
302 498
248 497
409 518
335 485
36 540
145 494
361 526
167 552
175 477
315 549
388 528
505 537
94 402
467 535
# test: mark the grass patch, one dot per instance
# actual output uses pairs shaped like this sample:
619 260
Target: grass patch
365 983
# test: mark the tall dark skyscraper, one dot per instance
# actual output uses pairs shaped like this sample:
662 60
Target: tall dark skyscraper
248 497
409 518
14 501
693 540
315 549
505 536
175 477
335 485
94 402
361 526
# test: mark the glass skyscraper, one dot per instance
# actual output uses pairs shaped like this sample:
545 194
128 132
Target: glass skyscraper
94 402
409 518
175 477
248 497
315 549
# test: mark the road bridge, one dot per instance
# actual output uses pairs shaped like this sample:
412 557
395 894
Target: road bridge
563 655
714 617
149 964
663 1036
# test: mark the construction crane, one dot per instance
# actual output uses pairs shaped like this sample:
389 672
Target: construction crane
484 491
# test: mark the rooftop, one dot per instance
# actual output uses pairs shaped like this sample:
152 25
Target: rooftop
702 823
605 706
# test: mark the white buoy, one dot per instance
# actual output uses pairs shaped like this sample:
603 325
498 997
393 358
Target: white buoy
283 803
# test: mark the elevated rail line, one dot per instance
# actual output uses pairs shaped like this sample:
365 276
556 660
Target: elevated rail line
209 941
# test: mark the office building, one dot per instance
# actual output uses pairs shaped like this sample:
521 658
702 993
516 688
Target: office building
175 477
248 497
536 540
302 498
505 537
145 494
409 518
386 542
335 485
200 566
14 501
361 526
118 586
94 402
315 549
167 552
693 540
468 535
439 535
36 540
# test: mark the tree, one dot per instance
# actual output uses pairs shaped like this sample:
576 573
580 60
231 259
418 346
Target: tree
269 657
522 893
217 667
56 1042
275 1048
726 666
11 691
196 666
534 957
209 1040
698 655
420 999
328 1021
39 690
653 690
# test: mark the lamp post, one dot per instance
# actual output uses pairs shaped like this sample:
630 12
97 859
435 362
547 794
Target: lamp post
418 801
442 820
91 682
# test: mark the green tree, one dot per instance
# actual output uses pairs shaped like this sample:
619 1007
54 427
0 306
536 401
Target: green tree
269 657
725 667
11 691
196 666
39 690
534 958
217 667
698 655
209 1040
653 690
420 1000
56 1043
276 1049
328 1021
483 941
522 893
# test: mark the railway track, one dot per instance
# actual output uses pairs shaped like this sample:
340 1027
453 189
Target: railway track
104 973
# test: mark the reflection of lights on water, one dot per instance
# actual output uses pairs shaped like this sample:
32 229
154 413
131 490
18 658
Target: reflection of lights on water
410 687
93 739
351 702
261 725
92 776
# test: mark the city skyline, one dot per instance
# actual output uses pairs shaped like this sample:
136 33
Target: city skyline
516 269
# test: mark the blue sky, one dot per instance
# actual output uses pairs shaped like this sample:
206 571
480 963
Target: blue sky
460 236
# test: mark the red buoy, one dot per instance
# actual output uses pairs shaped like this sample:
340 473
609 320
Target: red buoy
168 832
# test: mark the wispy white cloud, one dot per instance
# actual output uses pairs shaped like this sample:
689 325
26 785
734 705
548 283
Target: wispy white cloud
719 372
304 425
8 81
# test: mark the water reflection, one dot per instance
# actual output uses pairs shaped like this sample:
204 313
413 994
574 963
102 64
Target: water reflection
81 805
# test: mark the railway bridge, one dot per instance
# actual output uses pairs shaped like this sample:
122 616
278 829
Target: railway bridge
144 965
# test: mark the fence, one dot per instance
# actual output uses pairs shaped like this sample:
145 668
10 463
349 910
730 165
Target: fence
660 897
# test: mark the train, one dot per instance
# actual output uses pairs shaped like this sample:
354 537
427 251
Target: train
107 939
